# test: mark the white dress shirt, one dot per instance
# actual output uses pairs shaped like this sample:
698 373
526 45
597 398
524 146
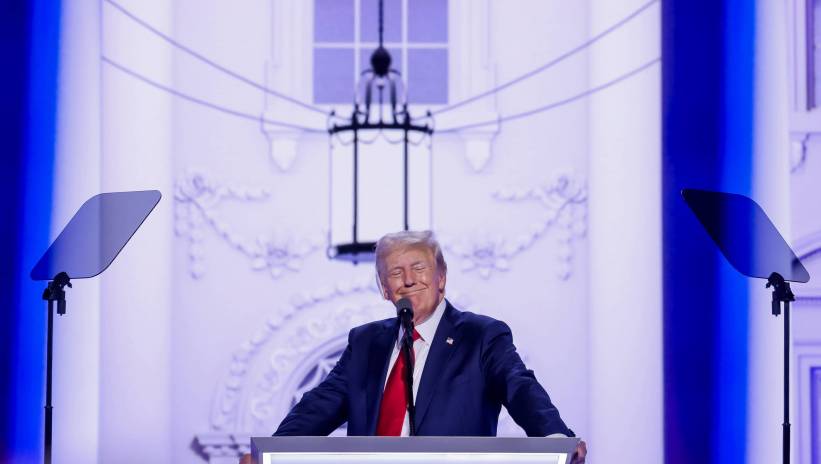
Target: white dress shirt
421 348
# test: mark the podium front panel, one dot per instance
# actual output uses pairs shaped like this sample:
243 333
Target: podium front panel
412 450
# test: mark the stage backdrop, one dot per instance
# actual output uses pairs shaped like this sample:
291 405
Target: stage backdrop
225 308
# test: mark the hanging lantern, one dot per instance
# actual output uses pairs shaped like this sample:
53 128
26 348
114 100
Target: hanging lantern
380 171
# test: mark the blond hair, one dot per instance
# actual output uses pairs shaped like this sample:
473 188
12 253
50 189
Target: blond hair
408 239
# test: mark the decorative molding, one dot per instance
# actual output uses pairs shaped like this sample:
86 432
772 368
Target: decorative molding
472 71
220 448
807 248
282 143
479 146
798 150
291 44
320 370
289 363
808 360
289 69
280 253
472 68
225 412
197 200
485 255
809 296
798 53
815 404
564 211
808 245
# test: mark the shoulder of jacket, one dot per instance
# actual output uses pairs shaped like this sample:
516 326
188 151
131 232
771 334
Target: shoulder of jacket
371 327
472 320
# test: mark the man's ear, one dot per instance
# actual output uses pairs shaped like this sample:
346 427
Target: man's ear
381 286
384 290
442 280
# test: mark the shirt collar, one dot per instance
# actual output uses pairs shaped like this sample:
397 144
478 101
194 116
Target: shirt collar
427 329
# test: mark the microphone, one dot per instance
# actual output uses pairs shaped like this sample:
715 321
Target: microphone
404 311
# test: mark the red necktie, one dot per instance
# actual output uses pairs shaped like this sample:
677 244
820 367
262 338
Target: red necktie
394 400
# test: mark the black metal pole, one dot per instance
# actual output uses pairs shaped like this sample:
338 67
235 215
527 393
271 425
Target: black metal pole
49 348
785 427
54 291
407 352
782 293
381 19
355 181
405 154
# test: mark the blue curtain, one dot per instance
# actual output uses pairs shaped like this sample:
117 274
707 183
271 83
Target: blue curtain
30 50
707 107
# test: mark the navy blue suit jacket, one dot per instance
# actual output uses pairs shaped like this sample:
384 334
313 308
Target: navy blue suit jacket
463 386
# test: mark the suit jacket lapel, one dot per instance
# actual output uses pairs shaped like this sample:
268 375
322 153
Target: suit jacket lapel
440 353
381 348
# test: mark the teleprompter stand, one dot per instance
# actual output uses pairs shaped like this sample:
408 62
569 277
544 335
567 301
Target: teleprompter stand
55 291
751 243
85 248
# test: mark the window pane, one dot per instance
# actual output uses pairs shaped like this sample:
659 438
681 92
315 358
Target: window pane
815 426
369 21
333 75
814 43
427 21
333 21
365 58
428 76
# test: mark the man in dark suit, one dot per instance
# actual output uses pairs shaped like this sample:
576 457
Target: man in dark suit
465 365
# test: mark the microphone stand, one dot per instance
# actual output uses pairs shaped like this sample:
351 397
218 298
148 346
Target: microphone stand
407 352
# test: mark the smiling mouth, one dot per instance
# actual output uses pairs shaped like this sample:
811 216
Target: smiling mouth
411 292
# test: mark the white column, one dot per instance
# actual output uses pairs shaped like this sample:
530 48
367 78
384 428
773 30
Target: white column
76 178
472 71
135 351
288 71
771 189
625 239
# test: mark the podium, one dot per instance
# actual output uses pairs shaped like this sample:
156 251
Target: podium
412 450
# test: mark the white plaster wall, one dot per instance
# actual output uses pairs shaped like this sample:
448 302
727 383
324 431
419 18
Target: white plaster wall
76 381
805 231
215 313
770 181
806 338
806 346
625 311
136 406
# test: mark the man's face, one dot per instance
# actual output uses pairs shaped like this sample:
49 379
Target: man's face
411 273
